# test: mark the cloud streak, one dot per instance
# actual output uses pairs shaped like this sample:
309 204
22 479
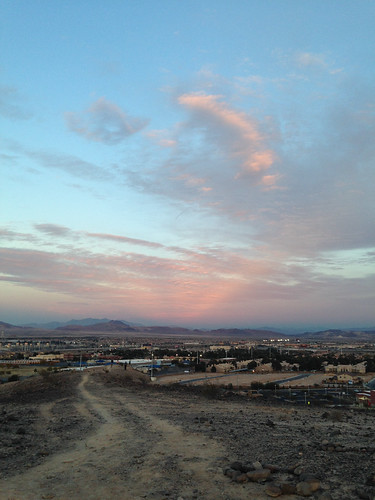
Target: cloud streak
193 286
189 285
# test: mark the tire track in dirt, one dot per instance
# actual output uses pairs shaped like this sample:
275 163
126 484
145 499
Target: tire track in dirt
131 455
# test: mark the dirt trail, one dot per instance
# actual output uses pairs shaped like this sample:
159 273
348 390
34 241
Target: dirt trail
131 454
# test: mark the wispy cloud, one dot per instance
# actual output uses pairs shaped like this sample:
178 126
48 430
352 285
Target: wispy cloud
53 229
104 122
162 137
124 239
310 59
55 160
11 104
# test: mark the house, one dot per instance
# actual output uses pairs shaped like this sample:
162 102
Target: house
358 368
366 398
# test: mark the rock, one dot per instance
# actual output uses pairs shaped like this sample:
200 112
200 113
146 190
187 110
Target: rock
273 490
228 471
234 474
242 478
272 467
307 488
257 465
307 476
325 496
298 470
237 466
288 488
258 475
363 494
270 423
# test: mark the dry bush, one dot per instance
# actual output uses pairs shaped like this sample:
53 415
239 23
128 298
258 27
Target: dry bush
125 378
40 388
208 390
335 415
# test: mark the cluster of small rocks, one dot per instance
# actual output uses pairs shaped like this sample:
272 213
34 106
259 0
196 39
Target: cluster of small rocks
278 480
333 446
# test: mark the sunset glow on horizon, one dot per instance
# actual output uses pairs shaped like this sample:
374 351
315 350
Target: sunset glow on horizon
188 163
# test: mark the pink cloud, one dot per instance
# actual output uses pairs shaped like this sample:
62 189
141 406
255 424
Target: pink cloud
238 133
209 285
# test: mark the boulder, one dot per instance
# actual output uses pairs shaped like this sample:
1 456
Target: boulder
325 496
298 470
258 475
239 466
307 488
272 467
242 478
273 490
288 488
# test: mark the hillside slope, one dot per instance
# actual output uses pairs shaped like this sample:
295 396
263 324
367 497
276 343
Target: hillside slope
108 434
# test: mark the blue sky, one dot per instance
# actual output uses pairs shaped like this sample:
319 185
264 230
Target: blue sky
185 162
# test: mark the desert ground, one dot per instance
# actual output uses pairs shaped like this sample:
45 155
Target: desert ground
245 379
109 433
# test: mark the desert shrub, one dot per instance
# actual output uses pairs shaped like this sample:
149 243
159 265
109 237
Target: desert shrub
335 415
208 390
130 377
271 386
257 385
45 374
49 377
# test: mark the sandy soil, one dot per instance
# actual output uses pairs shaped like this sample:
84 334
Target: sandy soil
107 434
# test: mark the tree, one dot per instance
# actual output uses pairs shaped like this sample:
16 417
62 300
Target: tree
276 365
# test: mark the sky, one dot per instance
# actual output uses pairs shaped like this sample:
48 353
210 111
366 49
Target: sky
195 163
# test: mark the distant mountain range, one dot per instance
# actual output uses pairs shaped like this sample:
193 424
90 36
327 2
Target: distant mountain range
58 324
106 326
346 335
